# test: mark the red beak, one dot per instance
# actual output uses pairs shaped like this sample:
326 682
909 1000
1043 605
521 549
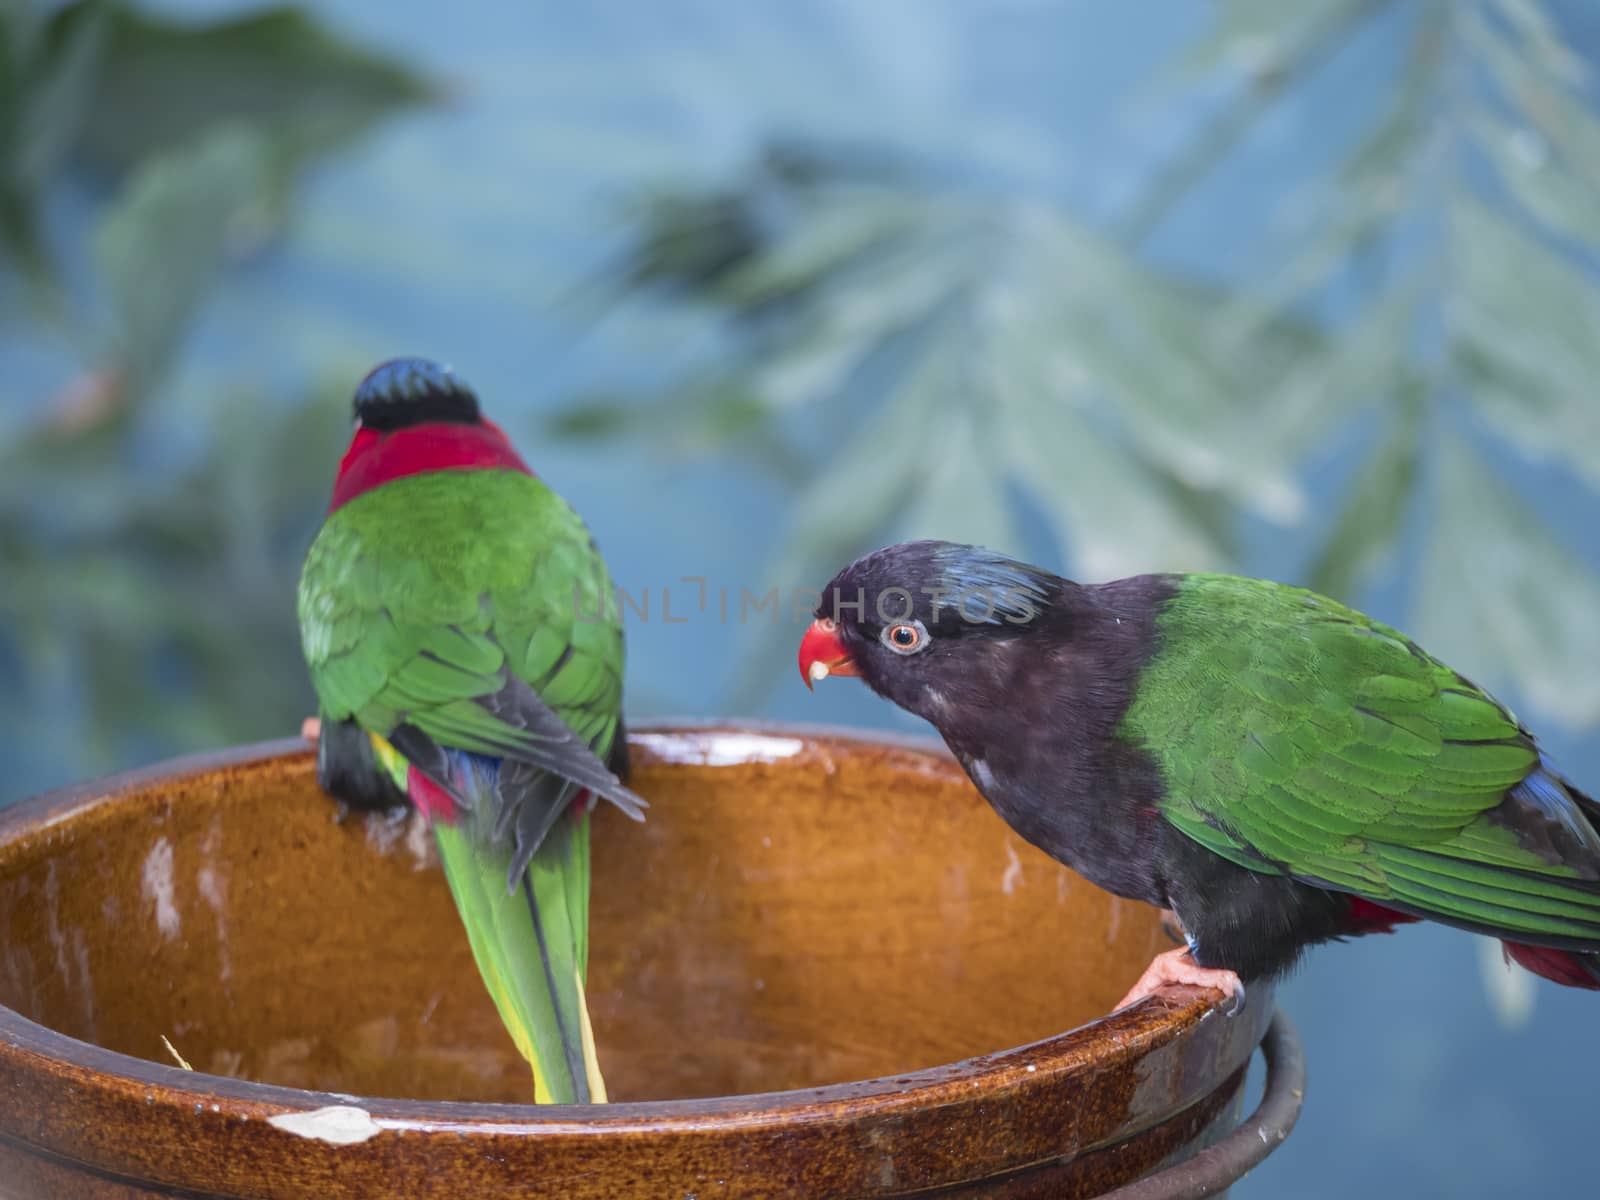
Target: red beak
823 654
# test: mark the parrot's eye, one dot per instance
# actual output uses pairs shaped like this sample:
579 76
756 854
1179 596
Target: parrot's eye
905 638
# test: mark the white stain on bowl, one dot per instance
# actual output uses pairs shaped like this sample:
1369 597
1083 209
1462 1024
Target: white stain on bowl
338 1124
157 887
213 885
723 749
1013 871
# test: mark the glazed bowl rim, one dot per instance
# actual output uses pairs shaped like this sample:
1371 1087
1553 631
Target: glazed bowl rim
1124 1035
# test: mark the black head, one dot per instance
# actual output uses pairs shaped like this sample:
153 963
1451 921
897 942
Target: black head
914 618
413 391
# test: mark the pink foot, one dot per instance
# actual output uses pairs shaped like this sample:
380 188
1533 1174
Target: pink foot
1179 967
311 729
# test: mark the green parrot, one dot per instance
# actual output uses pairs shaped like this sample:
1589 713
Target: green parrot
1275 768
458 624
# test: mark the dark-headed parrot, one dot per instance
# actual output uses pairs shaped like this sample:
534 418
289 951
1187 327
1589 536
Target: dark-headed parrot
1276 769
462 638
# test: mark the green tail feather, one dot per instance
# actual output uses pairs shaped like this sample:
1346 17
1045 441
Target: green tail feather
531 945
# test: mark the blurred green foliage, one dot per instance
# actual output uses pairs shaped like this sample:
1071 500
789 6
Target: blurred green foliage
966 356
911 353
145 589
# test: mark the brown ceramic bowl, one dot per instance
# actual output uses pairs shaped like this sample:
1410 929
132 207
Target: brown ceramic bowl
823 967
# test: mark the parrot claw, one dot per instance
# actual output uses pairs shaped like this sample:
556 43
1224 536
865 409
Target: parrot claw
311 729
1237 1006
1178 967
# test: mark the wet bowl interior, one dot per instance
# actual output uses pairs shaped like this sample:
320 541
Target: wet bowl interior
857 913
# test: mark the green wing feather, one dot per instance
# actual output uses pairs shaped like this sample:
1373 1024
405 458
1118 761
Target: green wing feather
1298 736
426 603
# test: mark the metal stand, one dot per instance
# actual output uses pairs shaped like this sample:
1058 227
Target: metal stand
1211 1171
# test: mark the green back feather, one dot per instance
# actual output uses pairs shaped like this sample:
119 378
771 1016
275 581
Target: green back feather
1298 736
418 595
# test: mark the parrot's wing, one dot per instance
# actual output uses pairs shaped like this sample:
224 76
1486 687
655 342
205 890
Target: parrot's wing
532 792
447 688
512 722
1299 737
